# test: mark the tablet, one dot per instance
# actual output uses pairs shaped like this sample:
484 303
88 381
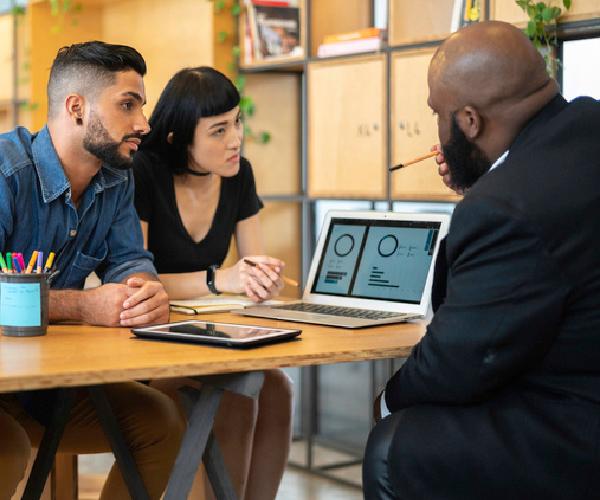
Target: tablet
223 334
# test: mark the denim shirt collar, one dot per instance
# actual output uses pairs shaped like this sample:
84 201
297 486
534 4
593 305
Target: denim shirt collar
51 174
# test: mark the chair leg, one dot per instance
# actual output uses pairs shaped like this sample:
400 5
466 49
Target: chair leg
65 485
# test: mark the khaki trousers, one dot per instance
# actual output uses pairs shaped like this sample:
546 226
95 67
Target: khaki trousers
149 420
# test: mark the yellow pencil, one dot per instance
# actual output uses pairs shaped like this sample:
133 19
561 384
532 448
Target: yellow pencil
49 262
32 261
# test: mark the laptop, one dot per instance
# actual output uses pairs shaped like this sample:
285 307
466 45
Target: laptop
369 268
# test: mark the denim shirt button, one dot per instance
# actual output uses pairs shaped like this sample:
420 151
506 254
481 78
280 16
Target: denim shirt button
73 233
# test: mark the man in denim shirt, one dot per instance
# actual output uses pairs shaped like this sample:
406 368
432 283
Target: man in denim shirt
68 189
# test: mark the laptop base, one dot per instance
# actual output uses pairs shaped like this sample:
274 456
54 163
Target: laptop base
322 319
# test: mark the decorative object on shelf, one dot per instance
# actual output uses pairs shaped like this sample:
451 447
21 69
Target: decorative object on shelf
247 106
364 40
272 30
465 12
541 28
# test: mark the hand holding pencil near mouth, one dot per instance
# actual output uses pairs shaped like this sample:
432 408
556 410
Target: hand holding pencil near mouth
443 169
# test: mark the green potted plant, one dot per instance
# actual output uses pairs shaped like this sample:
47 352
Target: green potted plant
541 28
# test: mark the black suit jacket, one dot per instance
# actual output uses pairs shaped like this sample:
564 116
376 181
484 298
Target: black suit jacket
521 317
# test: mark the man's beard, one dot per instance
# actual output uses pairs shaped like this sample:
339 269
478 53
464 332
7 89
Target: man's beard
98 142
465 160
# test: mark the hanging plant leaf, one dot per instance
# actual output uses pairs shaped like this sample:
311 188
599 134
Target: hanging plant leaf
240 83
219 5
247 106
265 137
531 29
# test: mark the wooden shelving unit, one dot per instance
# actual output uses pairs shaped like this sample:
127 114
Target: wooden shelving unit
338 123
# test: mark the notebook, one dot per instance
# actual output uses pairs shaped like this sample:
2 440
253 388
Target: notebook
213 303
369 268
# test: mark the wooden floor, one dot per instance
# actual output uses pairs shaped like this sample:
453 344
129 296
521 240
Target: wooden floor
297 484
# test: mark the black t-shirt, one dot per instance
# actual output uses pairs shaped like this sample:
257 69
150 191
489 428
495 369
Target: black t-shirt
174 249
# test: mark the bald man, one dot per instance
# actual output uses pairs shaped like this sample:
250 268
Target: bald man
501 397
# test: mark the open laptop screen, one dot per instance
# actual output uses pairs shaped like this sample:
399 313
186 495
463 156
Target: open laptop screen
376 259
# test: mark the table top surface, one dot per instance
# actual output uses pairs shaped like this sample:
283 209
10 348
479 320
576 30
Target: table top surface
75 355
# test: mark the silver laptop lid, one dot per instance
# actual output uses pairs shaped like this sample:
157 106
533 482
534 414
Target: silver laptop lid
376 260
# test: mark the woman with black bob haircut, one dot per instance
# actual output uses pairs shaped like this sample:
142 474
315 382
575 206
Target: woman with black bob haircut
193 193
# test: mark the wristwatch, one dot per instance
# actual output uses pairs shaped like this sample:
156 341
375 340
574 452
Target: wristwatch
210 279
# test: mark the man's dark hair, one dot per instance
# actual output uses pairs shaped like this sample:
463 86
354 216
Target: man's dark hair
191 94
86 68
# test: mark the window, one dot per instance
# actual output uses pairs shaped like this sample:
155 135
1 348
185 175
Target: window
581 73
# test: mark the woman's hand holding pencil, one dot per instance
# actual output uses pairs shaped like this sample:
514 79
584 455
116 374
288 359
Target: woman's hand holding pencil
258 276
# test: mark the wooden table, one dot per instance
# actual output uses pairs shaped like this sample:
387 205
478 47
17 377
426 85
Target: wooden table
76 355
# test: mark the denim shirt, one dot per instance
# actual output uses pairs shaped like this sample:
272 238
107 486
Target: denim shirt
102 234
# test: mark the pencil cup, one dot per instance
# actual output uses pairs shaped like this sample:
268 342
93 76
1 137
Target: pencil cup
23 304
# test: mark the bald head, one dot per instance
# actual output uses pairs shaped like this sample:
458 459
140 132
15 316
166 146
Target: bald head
487 64
486 82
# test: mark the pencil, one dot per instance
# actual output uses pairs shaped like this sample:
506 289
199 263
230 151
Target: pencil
414 160
49 262
40 262
285 279
3 264
32 261
9 262
21 261
16 265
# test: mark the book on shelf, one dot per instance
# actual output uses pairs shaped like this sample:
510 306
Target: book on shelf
364 40
272 30
353 35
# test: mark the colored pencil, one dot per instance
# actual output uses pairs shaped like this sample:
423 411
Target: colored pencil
32 261
21 261
16 265
49 262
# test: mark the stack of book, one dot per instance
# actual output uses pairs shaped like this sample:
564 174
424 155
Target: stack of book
365 40
272 30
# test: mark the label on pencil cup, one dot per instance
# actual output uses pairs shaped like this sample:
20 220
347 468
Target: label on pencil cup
20 304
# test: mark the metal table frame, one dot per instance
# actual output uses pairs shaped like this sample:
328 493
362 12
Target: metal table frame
198 442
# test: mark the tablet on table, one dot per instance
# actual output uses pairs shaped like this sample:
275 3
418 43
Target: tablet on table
223 334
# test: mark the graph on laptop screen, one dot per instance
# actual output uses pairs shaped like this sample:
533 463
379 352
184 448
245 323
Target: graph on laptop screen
374 259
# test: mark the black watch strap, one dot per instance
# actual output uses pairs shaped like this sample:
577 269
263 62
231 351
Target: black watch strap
210 279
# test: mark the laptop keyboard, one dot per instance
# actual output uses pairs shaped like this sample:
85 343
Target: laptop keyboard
351 312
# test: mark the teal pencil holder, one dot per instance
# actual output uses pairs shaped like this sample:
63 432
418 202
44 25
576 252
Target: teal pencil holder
24 304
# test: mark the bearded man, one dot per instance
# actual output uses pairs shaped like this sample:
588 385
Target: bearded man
68 189
501 397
